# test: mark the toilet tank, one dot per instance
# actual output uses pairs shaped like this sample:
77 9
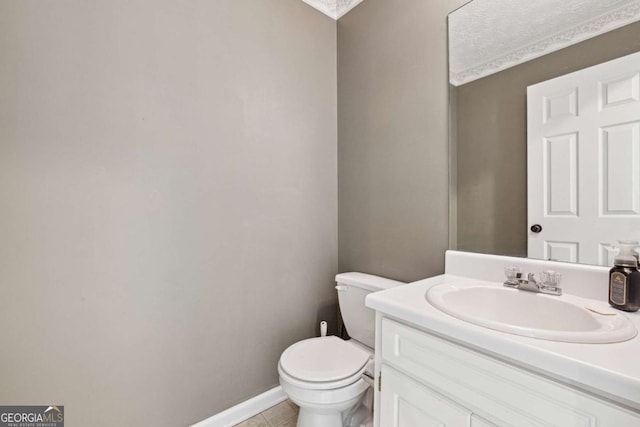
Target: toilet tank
352 290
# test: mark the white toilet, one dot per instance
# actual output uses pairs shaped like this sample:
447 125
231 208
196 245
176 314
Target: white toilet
325 376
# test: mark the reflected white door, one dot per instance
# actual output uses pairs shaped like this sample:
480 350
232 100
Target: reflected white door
583 162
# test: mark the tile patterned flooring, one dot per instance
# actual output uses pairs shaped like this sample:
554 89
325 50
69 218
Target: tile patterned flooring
284 414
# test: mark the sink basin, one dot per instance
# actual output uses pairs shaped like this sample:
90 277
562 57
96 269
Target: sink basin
557 318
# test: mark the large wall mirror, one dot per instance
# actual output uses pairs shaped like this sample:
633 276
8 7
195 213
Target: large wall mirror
498 49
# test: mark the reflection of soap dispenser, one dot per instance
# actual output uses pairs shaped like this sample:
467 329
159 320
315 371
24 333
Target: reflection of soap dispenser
624 278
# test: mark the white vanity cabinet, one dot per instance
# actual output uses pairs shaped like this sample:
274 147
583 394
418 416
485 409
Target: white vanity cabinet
430 381
406 403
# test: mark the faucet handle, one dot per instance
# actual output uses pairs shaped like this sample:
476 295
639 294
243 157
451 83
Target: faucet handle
511 272
550 278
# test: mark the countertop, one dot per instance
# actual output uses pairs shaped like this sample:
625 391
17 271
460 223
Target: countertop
610 371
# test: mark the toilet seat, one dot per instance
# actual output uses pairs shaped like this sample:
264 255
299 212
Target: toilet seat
323 363
320 385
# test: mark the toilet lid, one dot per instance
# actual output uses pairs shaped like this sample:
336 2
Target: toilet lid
323 359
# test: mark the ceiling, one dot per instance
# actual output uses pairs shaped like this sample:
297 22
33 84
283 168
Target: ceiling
487 36
333 8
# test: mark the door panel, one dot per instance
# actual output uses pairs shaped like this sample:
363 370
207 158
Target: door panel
560 169
620 169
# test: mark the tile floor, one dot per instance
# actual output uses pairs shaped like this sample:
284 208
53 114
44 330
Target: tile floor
284 414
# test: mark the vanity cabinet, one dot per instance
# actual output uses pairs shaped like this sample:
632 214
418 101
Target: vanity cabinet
427 380
407 403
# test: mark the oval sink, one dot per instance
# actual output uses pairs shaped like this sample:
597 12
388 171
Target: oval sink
557 318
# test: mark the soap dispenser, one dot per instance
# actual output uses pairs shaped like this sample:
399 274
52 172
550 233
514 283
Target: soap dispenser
624 278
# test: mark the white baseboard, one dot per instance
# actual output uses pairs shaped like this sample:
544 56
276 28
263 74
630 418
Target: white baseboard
245 410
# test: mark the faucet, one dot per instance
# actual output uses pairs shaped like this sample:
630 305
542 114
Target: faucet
548 284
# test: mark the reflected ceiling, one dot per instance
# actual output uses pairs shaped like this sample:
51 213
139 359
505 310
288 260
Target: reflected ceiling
481 45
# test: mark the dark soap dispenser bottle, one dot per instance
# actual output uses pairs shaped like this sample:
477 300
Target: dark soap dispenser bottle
624 279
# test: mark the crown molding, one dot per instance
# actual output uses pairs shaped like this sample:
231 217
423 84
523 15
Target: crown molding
333 8
604 23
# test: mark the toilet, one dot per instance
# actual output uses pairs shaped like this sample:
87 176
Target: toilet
330 378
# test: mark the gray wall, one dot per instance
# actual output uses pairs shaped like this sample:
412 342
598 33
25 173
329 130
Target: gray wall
168 201
492 142
392 137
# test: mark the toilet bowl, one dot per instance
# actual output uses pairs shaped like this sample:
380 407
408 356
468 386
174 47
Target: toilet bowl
327 377
324 377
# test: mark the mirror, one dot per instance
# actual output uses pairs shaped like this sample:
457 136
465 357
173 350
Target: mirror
497 48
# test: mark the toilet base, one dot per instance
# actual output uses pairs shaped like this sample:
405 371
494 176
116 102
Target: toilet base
309 418
355 412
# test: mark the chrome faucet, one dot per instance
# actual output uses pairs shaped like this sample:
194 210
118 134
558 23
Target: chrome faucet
548 284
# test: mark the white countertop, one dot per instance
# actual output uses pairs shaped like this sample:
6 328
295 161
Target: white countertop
608 370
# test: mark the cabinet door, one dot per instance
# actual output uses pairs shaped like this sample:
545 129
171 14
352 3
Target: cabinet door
406 403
